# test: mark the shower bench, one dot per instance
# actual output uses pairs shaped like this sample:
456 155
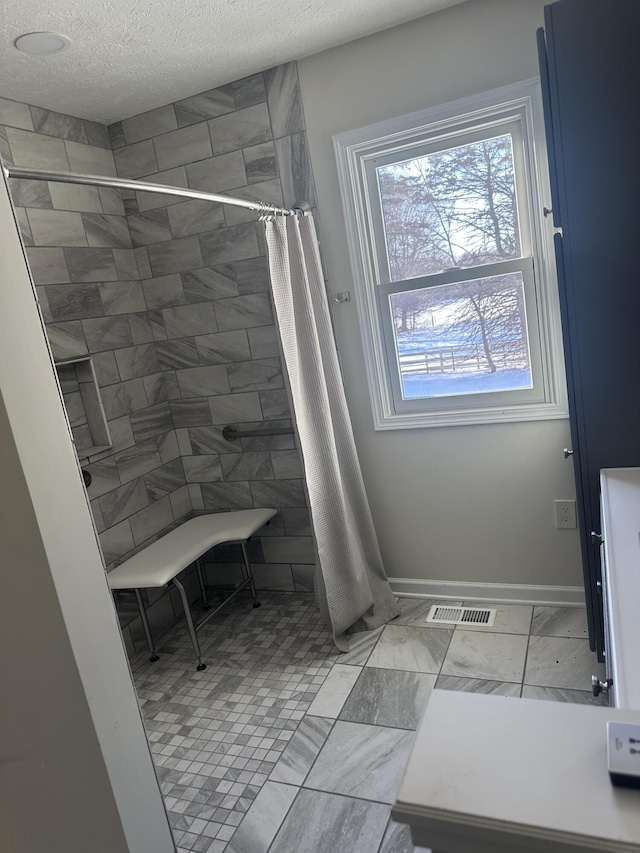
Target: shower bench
161 562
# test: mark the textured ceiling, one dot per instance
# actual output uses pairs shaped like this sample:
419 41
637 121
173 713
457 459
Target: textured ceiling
129 56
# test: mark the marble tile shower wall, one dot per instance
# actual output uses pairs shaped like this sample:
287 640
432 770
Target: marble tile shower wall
84 266
170 298
206 281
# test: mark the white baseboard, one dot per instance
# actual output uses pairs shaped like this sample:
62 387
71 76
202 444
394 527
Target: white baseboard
550 596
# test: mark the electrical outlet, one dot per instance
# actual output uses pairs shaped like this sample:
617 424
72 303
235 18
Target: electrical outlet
565 514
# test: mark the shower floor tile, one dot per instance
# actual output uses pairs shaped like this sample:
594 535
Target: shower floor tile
249 753
217 735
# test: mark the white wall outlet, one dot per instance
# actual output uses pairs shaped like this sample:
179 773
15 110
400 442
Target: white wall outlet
565 514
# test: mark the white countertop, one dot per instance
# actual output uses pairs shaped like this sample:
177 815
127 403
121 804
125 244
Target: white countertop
490 774
620 490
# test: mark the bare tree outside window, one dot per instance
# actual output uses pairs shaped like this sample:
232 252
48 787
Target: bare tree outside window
456 209
452 262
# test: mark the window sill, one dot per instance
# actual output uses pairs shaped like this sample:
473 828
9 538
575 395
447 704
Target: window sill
469 417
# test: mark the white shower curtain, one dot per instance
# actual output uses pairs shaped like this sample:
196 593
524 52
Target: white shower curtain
358 595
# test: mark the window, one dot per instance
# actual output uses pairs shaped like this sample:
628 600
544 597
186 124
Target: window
458 309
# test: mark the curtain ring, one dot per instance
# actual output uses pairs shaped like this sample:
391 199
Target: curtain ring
266 212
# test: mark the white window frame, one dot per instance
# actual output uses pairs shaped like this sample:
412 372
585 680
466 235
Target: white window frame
356 149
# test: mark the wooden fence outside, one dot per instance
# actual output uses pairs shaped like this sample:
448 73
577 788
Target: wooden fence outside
465 358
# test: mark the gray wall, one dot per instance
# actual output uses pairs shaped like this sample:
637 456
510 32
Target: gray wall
171 299
458 503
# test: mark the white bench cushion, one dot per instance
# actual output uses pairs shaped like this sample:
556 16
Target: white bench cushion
161 561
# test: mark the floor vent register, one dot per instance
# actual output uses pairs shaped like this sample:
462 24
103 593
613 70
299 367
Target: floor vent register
461 615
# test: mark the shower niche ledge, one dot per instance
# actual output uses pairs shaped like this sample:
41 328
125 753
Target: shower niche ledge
82 401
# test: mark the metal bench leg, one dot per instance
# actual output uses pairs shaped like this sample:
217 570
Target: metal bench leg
192 631
256 603
145 625
203 588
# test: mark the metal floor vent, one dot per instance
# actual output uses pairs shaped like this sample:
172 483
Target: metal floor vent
461 615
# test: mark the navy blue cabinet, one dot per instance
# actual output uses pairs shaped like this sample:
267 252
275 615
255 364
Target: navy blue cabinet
590 71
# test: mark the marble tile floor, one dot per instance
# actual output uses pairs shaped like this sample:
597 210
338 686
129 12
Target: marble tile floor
285 745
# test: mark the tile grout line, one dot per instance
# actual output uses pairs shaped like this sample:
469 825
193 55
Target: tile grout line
526 654
348 796
333 724
384 833
275 835
301 786
444 657
313 763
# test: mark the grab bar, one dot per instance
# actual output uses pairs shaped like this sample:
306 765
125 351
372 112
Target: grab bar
230 433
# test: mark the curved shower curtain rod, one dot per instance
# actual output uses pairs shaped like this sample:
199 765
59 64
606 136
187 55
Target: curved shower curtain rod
141 186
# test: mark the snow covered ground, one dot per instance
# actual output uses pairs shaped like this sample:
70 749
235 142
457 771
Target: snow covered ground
420 385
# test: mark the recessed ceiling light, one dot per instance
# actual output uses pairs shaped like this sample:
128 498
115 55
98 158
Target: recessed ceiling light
40 43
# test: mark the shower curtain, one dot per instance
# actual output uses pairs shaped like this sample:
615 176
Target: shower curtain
358 595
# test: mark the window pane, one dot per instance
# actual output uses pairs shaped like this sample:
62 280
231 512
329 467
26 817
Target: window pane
454 208
464 338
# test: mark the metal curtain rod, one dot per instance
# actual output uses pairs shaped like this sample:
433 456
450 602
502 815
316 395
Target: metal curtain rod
141 186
